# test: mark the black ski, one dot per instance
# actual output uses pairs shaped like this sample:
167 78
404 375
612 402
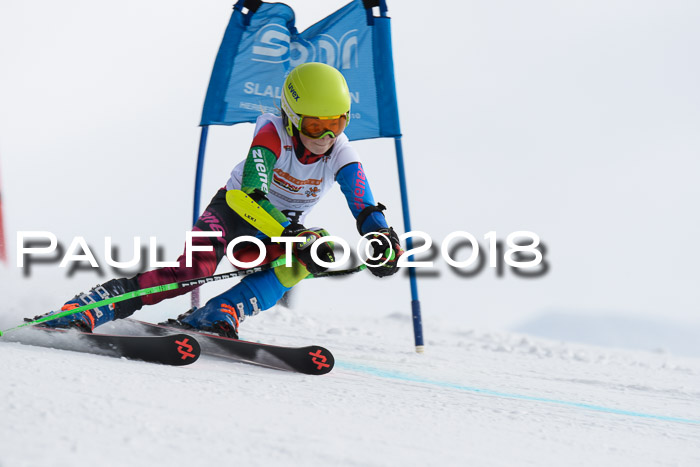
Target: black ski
310 360
174 349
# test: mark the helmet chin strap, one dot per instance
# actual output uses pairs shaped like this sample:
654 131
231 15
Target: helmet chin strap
299 147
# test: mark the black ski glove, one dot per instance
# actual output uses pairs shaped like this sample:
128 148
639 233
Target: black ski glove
302 251
386 250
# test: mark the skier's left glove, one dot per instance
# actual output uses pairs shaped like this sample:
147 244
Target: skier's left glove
386 251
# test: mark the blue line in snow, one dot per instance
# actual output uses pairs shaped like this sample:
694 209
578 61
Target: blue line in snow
489 392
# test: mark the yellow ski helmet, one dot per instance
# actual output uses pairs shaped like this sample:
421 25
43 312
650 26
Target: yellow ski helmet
319 92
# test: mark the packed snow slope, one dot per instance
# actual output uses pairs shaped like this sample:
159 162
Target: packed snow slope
474 398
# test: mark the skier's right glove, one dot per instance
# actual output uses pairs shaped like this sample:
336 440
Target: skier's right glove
386 252
302 251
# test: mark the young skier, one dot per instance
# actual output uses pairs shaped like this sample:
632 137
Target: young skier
293 161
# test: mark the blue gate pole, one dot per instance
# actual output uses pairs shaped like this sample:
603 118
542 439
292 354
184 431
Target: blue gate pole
200 172
197 193
415 302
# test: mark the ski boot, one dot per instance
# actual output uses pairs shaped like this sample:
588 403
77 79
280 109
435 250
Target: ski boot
223 314
222 320
87 320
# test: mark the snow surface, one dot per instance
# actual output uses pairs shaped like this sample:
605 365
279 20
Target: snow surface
475 398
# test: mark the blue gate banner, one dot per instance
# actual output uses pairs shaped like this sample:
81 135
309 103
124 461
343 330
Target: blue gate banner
260 47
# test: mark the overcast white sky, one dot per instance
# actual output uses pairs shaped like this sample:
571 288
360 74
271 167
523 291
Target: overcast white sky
576 120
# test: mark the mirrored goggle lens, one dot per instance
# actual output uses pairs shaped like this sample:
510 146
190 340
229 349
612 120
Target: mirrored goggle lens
317 127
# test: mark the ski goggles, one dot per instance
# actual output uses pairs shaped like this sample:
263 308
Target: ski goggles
318 127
